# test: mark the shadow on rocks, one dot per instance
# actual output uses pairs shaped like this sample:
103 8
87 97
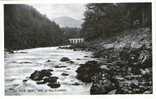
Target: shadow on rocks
87 70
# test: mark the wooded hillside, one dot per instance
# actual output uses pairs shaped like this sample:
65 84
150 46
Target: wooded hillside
25 27
107 19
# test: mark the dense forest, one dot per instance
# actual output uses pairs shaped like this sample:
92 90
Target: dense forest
108 19
70 32
25 27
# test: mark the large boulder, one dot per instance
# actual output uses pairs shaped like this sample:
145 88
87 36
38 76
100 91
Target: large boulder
44 77
39 75
87 70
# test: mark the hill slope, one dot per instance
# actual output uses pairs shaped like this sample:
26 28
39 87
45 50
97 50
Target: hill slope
68 22
25 27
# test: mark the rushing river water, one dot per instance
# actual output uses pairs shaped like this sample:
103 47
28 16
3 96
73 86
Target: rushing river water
22 63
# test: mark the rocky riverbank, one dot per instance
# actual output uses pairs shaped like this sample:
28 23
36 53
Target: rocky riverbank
125 67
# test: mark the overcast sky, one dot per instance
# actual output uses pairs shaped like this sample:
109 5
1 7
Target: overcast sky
52 11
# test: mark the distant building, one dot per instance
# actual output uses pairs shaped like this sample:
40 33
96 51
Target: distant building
76 40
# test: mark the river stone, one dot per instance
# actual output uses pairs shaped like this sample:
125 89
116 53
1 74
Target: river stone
54 85
76 84
64 74
46 72
25 80
48 61
39 75
51 79
101 87
36 76
64 59
60 66
22 52
78 59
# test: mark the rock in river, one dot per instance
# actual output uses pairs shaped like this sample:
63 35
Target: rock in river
64 59
52 82
39 75
57 66
54 85
51 79
48 61
64 74
87 70
76 84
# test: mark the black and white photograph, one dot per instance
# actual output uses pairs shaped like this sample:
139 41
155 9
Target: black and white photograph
78 49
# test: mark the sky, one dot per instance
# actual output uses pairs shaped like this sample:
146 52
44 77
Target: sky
53 11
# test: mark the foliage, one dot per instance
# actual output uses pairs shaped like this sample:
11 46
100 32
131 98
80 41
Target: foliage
71 32
104 20
25 27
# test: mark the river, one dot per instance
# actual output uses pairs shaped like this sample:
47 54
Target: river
22 63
